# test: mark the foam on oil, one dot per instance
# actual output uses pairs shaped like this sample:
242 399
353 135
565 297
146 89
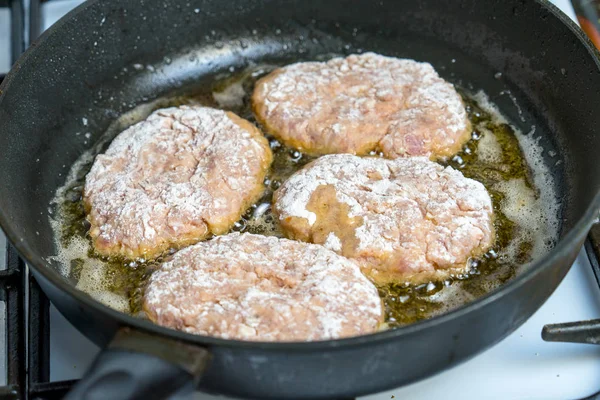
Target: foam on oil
508 163
525 201
532 204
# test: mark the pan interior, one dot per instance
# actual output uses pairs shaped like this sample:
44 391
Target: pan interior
505 157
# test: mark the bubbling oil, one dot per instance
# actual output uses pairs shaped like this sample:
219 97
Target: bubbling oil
506 162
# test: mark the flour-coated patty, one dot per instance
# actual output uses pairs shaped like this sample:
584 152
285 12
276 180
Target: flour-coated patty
363 103
260 288
407 219
173 179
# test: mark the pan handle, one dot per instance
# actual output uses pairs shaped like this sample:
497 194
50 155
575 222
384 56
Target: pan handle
138 365
592 247
573 332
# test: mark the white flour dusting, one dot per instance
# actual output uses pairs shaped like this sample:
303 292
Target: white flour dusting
362 103
416 216
276 289
173 179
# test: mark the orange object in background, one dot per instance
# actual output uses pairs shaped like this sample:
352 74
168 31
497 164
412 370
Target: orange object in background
588 15
590 29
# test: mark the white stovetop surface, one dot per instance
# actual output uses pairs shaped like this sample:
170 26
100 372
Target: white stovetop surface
520 367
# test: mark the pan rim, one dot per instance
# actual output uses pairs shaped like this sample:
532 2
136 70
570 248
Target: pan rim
565 245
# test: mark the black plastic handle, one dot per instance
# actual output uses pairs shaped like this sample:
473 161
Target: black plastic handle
137 365
573 332
120 374
580 331
592 248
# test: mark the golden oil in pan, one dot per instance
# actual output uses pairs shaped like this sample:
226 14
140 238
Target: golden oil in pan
403 304
407 304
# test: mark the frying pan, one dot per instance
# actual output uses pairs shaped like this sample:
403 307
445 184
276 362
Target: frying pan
81 67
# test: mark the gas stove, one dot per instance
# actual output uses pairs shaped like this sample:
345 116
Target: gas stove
41 353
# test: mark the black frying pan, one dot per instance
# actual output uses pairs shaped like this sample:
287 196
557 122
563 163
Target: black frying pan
74 70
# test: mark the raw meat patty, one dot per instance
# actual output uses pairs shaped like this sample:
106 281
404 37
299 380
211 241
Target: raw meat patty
173 179
407 219
260 288
363 103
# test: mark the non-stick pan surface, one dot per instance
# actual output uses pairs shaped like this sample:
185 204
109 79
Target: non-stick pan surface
83 67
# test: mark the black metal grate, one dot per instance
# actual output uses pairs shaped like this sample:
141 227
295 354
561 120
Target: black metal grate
27 360
12 283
